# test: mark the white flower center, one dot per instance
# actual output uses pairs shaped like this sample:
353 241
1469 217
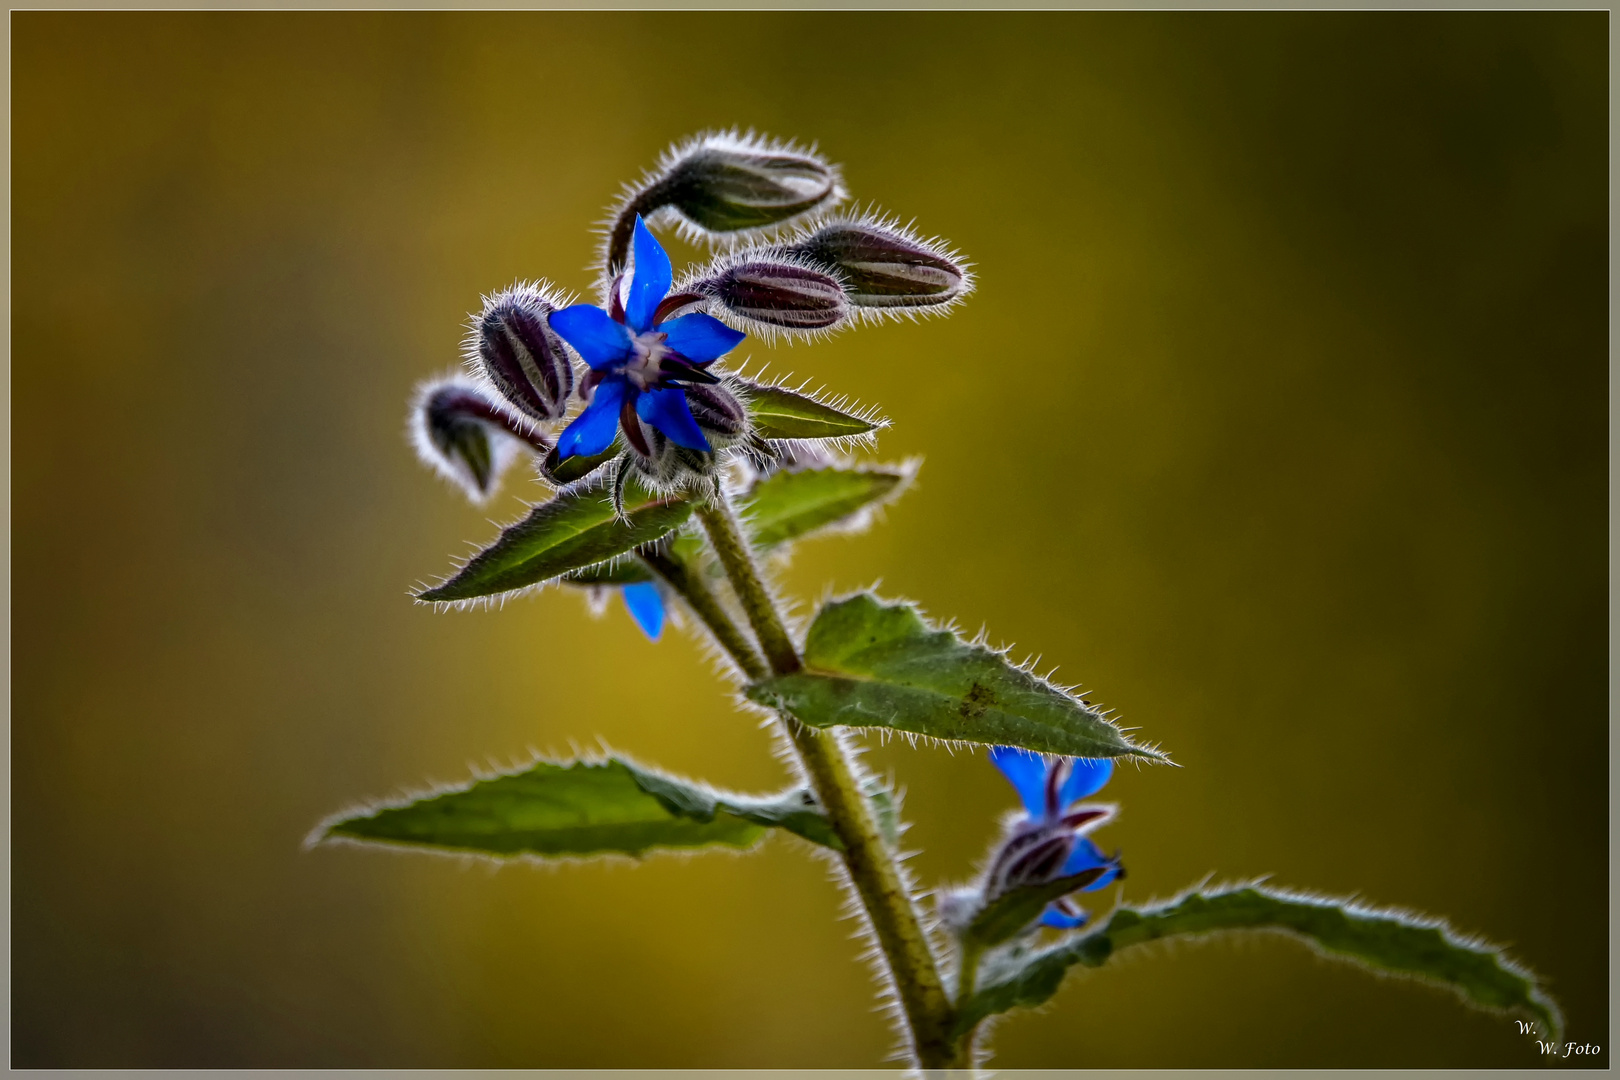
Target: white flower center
647 352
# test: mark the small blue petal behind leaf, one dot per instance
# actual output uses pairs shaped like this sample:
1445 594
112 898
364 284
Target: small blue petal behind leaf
650 282
599 340
1058 919
1027 772
1086 777
646 607
592 430
666 410
700 338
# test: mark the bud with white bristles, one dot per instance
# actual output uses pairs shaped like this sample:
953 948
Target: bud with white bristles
511 344
462 433
887 269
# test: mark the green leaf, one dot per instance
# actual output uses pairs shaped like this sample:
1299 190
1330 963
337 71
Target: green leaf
1385 941
573 531
613 572
576 467
780 508
784 414
788 505
870 664
586 808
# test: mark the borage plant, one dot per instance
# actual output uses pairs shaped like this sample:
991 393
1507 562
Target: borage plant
677 481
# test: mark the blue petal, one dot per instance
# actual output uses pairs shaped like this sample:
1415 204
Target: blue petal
1085 856
646 607
593 429
699 337
1053 916
1027 772
599 340
666 410
1086 777
650 282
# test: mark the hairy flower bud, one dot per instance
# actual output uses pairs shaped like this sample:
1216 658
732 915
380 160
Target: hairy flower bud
463 435
723 186
1031 856
726 183
777 294
522 356
718 412
884 266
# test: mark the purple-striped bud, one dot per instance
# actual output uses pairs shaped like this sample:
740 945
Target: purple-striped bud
718 412
1031 856
887 267
467 438
521 355
778 293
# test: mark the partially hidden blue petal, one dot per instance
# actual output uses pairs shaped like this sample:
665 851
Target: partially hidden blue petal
650 282
1027 772
1085 856
666 409
1054 917
599 340
1086 777
593 429
699 337
646 606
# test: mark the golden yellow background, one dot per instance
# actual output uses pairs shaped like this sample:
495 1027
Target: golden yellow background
1278 420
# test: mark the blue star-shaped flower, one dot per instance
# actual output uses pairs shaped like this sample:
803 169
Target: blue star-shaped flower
640 364
1050 787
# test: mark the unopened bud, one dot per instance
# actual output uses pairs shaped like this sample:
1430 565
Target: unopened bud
521 355
466 437
778 294
1029 857
724 184
887 267
718 412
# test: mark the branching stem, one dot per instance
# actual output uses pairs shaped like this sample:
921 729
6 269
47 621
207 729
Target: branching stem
872 865
689 583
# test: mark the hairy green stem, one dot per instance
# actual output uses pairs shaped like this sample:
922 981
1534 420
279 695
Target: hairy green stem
872 866
720 522
967 976
691 587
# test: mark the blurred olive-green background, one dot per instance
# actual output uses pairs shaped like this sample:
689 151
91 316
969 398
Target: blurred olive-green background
1278 421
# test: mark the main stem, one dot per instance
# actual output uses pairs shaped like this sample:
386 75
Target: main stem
872 866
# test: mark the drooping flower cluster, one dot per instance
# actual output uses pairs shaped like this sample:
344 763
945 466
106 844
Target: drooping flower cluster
1051 842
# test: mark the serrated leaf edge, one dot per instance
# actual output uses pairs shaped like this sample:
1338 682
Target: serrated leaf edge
497 601
1148 752
321 835
1075 942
